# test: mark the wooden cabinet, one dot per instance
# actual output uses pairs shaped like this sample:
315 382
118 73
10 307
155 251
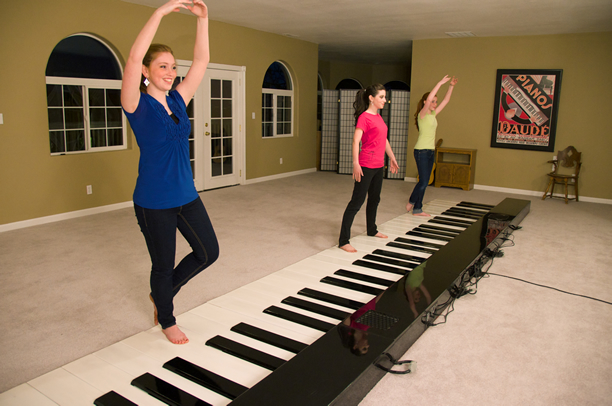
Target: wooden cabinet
455 167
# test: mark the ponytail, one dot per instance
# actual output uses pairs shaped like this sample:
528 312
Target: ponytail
420 106
362 99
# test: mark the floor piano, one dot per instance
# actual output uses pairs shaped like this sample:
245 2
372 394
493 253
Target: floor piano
319 332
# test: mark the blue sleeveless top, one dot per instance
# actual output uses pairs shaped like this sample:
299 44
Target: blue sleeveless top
165 179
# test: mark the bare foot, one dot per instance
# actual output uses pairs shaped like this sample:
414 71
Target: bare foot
380 235
348 248
421 214
154 310
175 335
409 207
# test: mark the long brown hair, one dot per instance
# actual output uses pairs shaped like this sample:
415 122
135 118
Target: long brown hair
152 52
362 99
419 108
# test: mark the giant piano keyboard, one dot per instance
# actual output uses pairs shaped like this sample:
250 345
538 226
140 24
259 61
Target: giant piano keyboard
309 334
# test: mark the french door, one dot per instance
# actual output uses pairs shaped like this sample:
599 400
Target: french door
217 136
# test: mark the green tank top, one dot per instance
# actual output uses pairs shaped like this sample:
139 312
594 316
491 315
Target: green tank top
427 131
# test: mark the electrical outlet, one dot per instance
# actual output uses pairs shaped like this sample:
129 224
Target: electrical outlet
89 190
281 161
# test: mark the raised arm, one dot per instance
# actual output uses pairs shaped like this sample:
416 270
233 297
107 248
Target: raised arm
130 87
447 97
432 94
201 53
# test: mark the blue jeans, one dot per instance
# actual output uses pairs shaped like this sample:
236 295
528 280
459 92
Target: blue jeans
424 160
371 184
159 229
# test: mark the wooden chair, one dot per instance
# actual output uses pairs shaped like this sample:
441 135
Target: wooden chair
566 169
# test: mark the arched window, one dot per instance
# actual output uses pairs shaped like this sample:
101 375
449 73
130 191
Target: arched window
397 85
277 102
347 84
83 79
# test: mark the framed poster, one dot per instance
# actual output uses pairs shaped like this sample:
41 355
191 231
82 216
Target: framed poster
525 108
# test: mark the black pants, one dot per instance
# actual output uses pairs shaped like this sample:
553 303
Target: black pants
371 184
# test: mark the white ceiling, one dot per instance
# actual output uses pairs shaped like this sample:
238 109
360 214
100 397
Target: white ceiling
382 31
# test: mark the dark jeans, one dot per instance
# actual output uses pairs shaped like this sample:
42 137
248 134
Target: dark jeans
159 229
371 184
424 160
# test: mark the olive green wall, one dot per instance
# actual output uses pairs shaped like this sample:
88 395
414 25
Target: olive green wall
586 60
332 72
35 184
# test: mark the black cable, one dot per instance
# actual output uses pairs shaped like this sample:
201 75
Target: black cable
550 287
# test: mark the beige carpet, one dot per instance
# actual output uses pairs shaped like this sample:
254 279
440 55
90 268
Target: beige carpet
70 288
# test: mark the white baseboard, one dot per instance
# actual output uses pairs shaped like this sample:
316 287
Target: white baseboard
64 216
528 192
279 176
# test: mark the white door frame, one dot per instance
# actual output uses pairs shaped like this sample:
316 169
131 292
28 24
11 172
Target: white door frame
199 129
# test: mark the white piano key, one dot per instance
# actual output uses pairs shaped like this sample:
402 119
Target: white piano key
261 302
107 377
238 370
24 394
230 318
64 388
209 329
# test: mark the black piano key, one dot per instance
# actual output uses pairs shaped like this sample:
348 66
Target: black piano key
299 318
246 353
420 243
381 267
267 337
476 205
427 235
469 214
166 392
395 262
447 221
411 247
435 232
205 378
112 398
398 255
329 298
365 278
445 229
316 308
352 285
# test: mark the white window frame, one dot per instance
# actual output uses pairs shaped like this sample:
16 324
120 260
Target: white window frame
86 84
275 93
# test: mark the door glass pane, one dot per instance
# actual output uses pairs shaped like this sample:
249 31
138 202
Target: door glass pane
227 128
215 150
228 167
215 108
215 128
215 89
216 167
227 108
227 89
227 146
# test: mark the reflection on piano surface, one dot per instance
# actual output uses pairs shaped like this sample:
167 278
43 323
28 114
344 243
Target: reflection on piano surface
310 334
